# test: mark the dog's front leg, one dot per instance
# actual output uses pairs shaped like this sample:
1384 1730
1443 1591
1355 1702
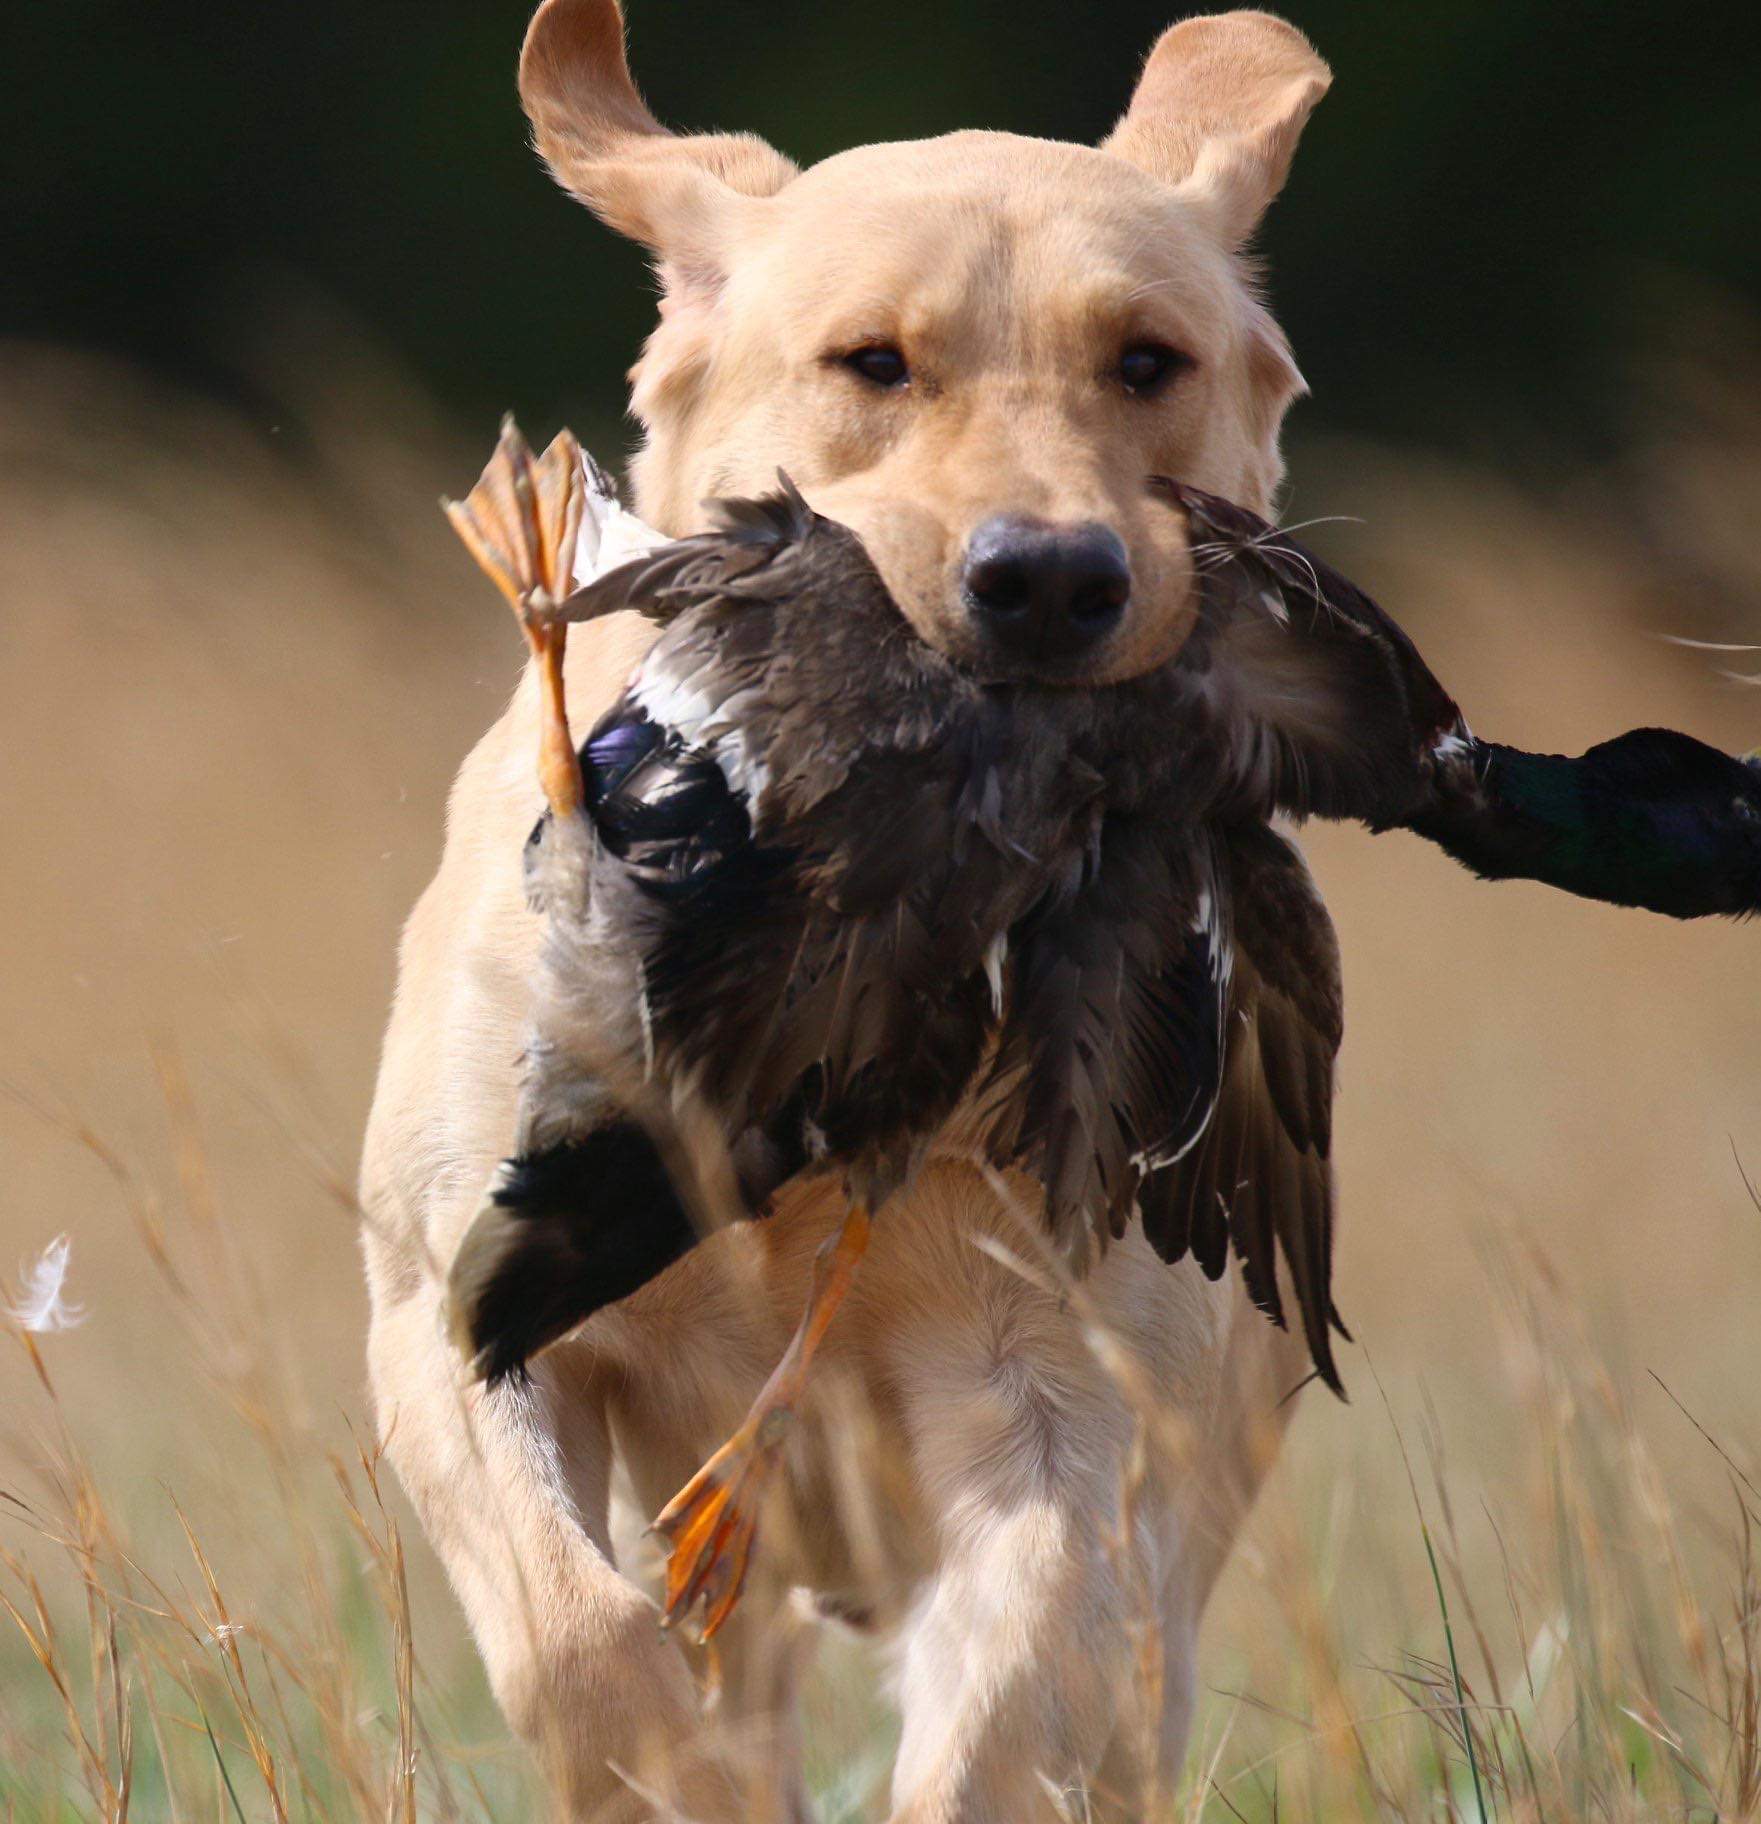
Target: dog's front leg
1013 1675
512 1488
1025 1650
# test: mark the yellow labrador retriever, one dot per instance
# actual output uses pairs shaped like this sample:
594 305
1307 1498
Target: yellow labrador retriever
954 347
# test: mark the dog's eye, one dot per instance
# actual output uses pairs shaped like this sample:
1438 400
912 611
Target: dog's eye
880 364
1146 367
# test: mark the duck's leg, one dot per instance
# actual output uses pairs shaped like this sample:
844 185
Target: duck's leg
711 1524
559 766
521 522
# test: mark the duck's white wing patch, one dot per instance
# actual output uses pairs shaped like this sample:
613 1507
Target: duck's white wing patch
667 687
995 956
704 720
610 535
675 703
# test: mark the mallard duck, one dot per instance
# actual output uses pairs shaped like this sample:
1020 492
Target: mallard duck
809 885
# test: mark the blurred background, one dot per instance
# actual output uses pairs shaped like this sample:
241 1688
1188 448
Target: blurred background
1487 227
269 277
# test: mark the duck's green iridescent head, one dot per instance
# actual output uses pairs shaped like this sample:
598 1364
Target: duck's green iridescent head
1651 819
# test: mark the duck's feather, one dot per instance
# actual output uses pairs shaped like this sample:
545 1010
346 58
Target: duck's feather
841 896
1323 706
1110 1054
738 559
1260 1177
823 990
566 1229
1321 701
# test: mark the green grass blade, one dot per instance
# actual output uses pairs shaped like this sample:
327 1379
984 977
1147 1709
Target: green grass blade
220 1762
1467 1727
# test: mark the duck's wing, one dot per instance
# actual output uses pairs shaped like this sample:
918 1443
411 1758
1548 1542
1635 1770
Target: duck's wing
1110 1054
1323 706
785 658
1259 1179
745 556
1318 700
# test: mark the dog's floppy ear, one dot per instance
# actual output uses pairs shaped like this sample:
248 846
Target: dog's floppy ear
597 135
1218 111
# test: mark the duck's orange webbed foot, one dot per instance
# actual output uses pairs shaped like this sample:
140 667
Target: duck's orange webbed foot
521 522
711 1525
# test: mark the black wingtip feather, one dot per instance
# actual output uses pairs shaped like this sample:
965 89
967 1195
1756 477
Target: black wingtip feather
565 1232
599 480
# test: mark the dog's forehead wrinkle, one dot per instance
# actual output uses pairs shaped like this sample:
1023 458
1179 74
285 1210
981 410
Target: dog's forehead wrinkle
921 278
903 280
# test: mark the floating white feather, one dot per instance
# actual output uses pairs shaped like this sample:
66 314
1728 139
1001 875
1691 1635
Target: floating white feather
43 1307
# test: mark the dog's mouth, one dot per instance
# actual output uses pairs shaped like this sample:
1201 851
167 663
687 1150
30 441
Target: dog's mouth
1050 671
1017 600
951 640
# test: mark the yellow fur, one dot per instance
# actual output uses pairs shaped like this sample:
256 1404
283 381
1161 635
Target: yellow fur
971 1486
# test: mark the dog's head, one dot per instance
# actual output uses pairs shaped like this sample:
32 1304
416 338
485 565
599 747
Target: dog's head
978 351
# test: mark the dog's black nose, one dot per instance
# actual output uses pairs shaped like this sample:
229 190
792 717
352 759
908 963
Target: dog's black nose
1046 591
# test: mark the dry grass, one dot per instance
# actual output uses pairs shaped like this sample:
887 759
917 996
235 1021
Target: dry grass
1515 1579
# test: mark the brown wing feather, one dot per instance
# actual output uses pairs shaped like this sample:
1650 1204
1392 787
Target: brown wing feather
1109 1057
751 555
1262 1176
1319 698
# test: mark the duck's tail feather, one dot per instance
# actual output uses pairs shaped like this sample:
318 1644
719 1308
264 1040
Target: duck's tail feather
562 1232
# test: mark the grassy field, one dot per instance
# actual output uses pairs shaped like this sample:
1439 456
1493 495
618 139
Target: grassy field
1515 1578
